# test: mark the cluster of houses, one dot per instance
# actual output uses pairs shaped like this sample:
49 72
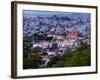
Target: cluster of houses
58 45
60 41
64 32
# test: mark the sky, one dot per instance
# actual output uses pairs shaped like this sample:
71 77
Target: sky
46 13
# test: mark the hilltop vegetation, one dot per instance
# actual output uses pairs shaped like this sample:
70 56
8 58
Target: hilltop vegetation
80 57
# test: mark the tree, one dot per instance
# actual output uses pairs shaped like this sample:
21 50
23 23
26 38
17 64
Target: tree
79 58
35 36
45 53
54 62
36 61
49 38
36 50
54 46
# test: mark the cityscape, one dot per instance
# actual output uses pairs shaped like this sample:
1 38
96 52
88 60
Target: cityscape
54 39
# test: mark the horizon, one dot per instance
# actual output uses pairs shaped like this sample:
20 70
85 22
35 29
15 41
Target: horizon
49 13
